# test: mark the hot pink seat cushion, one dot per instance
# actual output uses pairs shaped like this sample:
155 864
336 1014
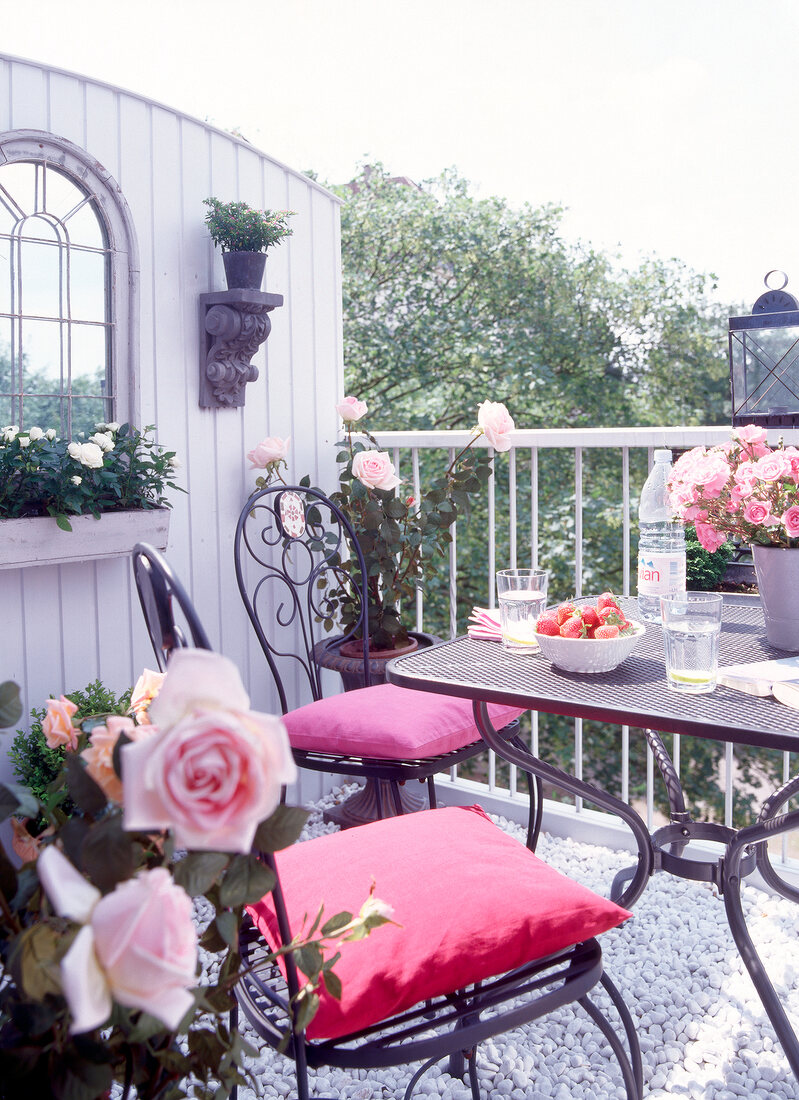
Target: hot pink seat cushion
391 722
472 903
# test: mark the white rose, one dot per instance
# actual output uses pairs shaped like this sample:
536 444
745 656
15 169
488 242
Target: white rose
88 454
24 441
175 462
76 480
10 433
112 426
50 434
35 433
103 441
496 422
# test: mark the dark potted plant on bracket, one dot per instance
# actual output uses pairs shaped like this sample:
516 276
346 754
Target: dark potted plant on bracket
244 235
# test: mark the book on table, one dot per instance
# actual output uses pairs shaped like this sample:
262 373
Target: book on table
762 677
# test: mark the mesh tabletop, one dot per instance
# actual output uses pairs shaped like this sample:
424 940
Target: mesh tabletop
633 694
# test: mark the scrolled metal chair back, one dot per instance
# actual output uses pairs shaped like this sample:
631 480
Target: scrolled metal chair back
159 591
298 566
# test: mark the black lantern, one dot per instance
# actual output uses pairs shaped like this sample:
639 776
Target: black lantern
764 359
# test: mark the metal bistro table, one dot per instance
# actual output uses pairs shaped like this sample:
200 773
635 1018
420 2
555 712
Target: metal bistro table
635 694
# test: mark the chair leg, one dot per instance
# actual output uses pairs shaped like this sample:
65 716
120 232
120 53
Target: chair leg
378 800
471 1064
431 792
397 796
631 1067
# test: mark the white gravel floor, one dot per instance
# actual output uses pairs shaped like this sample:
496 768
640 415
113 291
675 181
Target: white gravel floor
702 1030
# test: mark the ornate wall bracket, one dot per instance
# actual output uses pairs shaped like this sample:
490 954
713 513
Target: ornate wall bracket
233 325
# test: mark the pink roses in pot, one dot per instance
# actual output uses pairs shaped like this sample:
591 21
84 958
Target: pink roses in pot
743 488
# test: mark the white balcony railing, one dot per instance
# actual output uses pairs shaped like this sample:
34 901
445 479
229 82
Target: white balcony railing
517 488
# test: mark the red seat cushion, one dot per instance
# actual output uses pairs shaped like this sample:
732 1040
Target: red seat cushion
472 902
391 722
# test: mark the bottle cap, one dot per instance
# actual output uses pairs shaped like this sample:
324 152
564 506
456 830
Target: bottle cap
663 454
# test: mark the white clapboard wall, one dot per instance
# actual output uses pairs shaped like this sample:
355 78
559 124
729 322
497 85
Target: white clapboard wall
64 626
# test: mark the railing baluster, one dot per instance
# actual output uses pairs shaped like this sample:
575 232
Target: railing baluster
417 493
578 521
625 519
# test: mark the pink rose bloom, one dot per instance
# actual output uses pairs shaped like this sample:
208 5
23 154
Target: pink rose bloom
759 513
215 770
375 470
790 521
792 454
496 422
147 687
749 433
138 944
57 725
711 473
741 490
710 538
351 409
773 466
99 756
269 450
692 513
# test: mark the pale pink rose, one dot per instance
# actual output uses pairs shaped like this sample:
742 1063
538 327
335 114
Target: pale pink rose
138 944
790 521
773 466
269 450
709 537
351 409
749 433
792 454
711 473
99 755
495 420
692 513
759 513
147 687
215 769
57 725
375 470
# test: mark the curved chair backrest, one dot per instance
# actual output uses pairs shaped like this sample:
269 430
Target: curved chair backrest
298 563
159 591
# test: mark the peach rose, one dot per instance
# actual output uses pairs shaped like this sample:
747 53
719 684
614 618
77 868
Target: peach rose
57 725
269 450
138 944
496 422
351 409
375 470
215 769
99 756
147 687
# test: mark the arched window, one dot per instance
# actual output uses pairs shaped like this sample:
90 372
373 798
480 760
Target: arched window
64 363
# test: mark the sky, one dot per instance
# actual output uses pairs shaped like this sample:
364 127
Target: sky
662 126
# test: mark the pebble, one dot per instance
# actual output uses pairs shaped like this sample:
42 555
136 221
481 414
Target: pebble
703 1033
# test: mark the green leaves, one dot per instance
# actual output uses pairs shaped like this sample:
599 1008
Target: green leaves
280 829
10 705
246 881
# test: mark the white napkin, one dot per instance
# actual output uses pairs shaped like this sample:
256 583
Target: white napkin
484 623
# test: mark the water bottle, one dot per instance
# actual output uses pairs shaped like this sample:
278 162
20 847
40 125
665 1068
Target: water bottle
661 546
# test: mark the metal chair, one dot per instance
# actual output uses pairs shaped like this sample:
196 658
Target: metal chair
295 552
490 938
159 591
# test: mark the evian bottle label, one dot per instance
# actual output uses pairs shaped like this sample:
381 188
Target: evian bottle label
661 574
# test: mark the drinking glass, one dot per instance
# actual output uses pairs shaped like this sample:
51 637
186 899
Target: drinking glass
691 629
522 595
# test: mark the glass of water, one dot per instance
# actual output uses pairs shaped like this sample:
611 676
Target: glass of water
522 595
691 629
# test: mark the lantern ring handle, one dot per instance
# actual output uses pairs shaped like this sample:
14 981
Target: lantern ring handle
776 271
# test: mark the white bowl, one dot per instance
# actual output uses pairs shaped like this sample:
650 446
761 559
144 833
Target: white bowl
590 654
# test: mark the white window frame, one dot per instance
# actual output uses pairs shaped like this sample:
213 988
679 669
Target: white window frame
38 146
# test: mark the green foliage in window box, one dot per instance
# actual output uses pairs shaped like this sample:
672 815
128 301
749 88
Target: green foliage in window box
704 570
117 469
36 765
237 227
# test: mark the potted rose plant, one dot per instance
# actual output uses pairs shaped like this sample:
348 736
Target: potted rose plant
402 537
245 235
747 490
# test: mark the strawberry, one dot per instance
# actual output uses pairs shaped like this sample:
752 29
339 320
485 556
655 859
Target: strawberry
573 627
590 616
547 624
611 615
608 630
589 631
565 611
607 599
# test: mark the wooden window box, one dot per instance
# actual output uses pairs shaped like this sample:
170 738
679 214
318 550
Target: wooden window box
38 540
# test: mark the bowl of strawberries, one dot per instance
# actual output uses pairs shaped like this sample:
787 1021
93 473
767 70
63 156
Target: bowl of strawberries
592 635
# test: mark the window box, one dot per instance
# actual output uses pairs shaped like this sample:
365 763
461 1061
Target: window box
38 540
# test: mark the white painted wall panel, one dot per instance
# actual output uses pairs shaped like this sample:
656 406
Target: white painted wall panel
64 626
